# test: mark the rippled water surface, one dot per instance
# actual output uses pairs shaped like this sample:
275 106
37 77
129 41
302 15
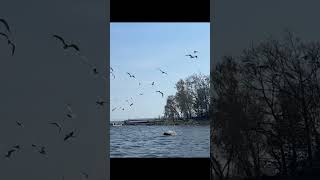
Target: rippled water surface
148 141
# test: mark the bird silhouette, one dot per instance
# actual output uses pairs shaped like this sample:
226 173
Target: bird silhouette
114 109
65 45
131 104
19 123
160 93
111 69
70 113
5 23
131 75
17 147
163 72
100 102
189 55
69 135
152 83
9 153
42 150
57 125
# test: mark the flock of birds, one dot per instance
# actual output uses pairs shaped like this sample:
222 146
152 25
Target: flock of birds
69 114
131 75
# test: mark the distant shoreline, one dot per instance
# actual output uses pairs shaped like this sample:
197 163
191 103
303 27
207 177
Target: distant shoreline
165 122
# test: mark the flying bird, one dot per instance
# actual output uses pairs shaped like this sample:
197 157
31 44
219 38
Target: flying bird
70 114
100 102
114 109
163 72
9 153
65 45
160 93
19 123
111 69
42 150
131 104
5 23
189 55
131 75
69 135
57 125
17 147
152 83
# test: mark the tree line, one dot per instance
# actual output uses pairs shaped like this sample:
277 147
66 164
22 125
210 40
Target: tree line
265 109
191 100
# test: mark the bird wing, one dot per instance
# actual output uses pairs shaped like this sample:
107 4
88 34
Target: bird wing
6 24
13 47
5 35
60 38
74 46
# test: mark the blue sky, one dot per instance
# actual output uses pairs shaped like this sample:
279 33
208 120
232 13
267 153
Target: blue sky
142 48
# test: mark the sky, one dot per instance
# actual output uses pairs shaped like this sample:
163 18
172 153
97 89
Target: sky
142 49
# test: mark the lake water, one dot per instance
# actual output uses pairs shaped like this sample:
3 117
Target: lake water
148 141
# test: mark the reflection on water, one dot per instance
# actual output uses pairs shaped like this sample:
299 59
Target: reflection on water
148 141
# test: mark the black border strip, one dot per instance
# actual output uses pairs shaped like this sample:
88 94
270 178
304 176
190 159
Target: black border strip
159 11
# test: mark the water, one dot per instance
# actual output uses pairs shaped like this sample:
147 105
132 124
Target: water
148 141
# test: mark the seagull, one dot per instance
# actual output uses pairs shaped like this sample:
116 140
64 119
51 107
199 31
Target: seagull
131 75
43 151
160 93
189 55
65 45
85 175
9 153
71 134
4 22
100 102
19 123
17 147
70 114
163 72
95 71
57 125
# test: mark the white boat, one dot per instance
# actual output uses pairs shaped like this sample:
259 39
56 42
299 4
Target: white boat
169 133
